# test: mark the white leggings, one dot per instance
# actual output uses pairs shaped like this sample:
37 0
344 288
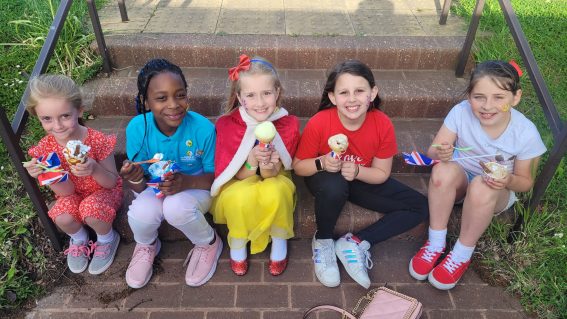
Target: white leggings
183 211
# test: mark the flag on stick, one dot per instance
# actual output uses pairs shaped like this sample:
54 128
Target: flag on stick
418 159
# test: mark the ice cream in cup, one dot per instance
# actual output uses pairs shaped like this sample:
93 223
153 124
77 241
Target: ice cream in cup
493 170
158 172
338 144
265 133
75 152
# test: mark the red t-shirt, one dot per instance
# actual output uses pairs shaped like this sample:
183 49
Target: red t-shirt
375 138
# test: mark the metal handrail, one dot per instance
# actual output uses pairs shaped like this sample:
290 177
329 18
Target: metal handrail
556 125
122 8
11 132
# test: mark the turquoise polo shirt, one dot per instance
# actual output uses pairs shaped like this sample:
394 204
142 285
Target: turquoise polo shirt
192 146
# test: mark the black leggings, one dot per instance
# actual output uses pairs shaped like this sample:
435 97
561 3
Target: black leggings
404 207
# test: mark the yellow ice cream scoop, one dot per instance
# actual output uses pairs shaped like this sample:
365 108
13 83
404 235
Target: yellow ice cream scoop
265 132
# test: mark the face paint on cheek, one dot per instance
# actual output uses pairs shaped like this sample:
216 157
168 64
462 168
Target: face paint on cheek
505 108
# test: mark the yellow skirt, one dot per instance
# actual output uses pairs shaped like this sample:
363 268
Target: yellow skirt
255 209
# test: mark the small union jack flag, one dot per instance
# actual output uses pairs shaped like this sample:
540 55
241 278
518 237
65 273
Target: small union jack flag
418 159
52 170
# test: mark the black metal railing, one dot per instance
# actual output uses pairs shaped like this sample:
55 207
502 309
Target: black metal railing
556 125
12 132
122 8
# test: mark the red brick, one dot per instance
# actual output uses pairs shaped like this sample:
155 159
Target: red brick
88 296
177 315
234 315
57 299
429 296
495 314
471 296
60 315
284 314
120 315
262 296
209 296
303 296
451 314
155 296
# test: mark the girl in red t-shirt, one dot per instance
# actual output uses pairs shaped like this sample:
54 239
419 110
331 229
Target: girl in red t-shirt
361 174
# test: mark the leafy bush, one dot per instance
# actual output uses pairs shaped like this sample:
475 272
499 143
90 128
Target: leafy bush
26 257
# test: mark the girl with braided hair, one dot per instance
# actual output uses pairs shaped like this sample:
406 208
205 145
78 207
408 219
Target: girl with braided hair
165 125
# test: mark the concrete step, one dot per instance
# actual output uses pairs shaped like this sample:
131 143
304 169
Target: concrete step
411 134
286 52
405 93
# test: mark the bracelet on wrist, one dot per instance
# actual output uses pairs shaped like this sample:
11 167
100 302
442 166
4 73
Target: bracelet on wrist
136 182
357 171
250 167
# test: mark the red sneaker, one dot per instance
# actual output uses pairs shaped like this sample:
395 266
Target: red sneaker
276 268
240 268
423 262
446 275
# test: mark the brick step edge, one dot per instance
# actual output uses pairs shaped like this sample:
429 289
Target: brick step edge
405 93
293 52
352 219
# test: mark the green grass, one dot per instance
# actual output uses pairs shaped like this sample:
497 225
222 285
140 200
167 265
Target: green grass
26 257
535 266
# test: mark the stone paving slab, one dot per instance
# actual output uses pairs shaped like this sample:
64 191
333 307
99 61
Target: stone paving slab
258 294
291 17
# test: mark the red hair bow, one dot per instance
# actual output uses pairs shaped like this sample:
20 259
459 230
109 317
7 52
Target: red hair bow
243 65
517 67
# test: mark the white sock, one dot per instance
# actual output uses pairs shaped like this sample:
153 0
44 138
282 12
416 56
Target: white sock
239 253
81 236
462 253
106 238
437 239
279 249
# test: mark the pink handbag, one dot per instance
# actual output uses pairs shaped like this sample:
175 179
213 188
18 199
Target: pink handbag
379 303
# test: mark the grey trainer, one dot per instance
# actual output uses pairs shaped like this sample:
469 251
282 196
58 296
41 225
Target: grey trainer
77 256
103 255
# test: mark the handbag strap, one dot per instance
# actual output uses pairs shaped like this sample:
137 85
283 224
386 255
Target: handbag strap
345 314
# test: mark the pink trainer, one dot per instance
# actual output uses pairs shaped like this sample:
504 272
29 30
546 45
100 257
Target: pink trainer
203 262
140 269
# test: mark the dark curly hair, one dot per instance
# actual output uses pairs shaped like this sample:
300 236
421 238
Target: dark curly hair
148 71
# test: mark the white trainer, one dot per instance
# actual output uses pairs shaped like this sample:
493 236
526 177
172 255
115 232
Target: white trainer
355 257
325 260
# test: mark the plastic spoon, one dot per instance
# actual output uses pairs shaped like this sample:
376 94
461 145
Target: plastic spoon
157 157
462 149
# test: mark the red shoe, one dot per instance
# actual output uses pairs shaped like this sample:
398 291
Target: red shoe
276 268
240 268
446 275
423 262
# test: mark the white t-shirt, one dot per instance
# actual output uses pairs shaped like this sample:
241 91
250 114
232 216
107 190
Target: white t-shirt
521 138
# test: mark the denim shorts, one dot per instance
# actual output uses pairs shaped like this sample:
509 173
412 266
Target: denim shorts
511 199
